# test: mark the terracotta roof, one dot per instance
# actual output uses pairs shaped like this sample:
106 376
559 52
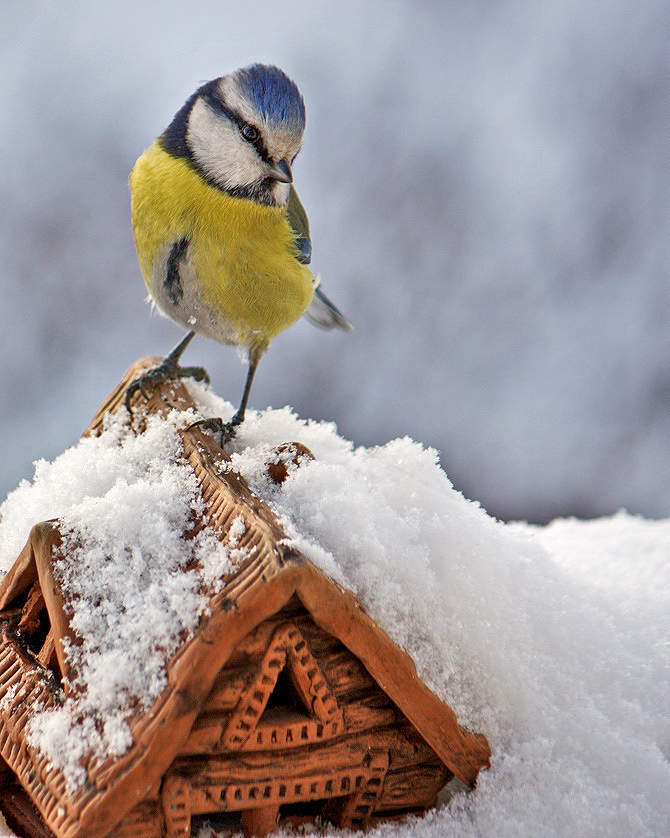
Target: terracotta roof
257 588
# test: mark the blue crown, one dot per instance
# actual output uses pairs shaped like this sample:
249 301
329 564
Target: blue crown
275 96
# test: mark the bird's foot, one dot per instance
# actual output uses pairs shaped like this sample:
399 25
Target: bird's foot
168 370
224 431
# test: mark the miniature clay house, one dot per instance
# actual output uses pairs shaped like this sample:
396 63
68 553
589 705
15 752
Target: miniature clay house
287 703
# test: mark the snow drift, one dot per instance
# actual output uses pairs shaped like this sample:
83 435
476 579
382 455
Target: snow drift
552 641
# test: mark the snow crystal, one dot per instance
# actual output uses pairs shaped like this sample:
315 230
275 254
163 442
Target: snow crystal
551 641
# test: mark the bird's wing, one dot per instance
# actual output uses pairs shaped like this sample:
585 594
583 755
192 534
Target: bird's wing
297 218
323 313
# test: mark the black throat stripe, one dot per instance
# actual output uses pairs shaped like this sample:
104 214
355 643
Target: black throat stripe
172 279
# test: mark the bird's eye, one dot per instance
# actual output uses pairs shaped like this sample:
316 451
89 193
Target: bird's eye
250 133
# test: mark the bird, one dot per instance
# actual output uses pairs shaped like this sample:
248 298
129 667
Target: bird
222 238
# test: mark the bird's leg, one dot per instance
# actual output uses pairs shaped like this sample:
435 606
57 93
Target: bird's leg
168 369
238 418
227 430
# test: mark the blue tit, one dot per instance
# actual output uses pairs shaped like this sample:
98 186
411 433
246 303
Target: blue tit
222 238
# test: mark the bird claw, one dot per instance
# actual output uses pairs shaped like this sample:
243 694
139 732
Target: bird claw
226 431
197 373
167 370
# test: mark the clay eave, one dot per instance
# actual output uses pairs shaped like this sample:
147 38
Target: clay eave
35 562
338 611
21 575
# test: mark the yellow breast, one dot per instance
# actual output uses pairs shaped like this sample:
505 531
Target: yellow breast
243 254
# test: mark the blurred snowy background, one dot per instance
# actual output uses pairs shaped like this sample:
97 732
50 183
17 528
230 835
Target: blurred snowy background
488 185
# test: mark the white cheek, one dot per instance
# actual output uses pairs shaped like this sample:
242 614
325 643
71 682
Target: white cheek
220 151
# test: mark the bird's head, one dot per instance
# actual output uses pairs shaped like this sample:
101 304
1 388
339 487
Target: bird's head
242 133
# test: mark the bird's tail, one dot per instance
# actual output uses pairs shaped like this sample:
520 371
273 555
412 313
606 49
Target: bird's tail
324 314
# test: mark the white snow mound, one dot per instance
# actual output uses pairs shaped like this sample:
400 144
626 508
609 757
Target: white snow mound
551 641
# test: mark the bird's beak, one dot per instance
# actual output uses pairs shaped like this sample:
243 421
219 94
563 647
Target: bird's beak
280 171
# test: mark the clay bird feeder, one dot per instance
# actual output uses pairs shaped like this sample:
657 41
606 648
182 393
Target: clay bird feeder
286 704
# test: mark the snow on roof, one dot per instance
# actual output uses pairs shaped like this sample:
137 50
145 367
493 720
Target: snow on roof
552 641
123 502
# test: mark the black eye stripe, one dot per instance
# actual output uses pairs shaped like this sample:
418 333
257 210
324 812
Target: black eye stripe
218 104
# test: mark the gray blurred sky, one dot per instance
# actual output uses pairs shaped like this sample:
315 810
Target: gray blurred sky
488 188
